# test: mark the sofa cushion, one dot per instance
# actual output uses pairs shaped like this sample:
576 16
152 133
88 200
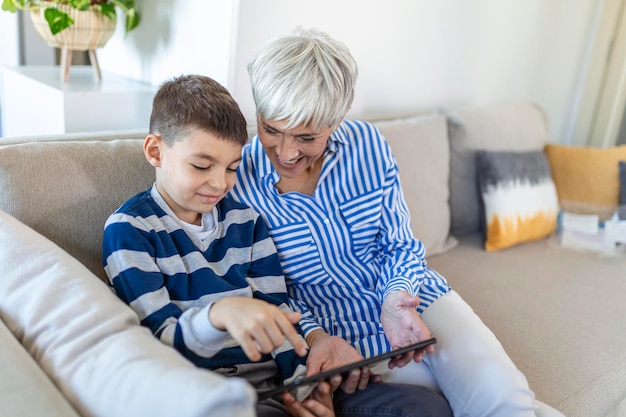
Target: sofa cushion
587 179
420 145
94 177
559 315
504 127
23 380
622 190
91 344
518 195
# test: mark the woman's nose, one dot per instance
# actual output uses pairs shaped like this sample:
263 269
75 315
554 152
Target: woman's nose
288 149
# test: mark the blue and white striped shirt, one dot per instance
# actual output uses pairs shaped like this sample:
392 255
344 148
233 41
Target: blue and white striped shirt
348 246
170 276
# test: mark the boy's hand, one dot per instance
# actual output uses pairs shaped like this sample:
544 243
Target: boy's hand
319 403
258 326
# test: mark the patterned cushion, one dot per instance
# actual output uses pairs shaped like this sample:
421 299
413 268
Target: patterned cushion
513 127
518 195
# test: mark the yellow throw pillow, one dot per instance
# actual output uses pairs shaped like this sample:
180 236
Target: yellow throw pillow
587 179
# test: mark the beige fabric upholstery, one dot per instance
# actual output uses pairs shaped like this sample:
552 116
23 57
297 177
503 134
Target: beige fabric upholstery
505 127
420 145
67 189
559 314
22 380
91 344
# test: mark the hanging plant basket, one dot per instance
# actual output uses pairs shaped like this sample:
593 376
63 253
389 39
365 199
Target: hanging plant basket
91 29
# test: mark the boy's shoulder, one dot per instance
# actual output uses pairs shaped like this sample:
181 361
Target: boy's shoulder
141 204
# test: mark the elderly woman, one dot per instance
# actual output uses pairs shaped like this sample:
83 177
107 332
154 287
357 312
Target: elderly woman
329 191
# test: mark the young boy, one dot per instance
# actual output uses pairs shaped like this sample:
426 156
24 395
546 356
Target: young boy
201 271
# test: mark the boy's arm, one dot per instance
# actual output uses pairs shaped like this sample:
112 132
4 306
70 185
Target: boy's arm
266 279
129 259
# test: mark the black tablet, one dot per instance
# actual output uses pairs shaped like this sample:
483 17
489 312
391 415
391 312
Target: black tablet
343 370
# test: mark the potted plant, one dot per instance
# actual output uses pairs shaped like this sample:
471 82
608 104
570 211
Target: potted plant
55 11
76 25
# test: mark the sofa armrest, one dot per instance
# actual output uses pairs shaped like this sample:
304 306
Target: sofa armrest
91 345
25 390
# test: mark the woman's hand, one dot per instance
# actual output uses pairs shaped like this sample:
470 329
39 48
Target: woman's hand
258 326
319 403
328 352
403 326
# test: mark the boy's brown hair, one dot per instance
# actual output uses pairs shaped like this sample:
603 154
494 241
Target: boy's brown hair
196 102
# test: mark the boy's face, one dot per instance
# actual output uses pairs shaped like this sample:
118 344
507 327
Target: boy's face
194 173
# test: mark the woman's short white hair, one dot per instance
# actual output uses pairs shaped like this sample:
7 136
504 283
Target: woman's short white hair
305 78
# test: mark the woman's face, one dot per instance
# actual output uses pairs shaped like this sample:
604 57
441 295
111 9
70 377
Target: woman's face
292 151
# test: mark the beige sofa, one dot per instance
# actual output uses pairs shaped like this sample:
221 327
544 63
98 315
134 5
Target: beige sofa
69 347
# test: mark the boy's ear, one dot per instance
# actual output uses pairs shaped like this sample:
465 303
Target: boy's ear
152 147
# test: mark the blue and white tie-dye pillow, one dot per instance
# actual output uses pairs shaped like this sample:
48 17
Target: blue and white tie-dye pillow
518 195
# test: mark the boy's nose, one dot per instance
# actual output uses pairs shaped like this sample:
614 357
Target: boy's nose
217 181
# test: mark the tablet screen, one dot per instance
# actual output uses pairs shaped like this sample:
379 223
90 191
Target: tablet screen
344 369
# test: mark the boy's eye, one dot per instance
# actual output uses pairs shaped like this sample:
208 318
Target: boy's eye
199 168
306 138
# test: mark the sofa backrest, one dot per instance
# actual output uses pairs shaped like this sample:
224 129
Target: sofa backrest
65 188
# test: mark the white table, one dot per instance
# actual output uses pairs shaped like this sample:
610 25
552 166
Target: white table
35 101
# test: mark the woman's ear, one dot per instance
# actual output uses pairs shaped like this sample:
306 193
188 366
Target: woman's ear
152 147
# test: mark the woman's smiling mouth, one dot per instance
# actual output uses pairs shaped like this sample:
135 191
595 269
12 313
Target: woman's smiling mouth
290 162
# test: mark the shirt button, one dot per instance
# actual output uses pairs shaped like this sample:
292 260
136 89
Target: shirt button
326 221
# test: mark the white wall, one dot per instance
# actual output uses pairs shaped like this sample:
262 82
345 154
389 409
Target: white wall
412 54
9 46
174 37
20 44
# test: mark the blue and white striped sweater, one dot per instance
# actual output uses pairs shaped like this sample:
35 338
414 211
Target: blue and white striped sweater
350 244
170 277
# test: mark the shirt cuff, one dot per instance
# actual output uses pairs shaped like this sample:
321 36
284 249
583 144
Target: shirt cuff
205 334
398 284
308 326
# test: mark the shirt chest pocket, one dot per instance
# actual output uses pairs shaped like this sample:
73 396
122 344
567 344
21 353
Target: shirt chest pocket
293 242
362 216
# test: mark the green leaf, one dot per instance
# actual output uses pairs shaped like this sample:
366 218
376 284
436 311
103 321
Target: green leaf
132 20
109 11
80 4
57 20
126 4
9 6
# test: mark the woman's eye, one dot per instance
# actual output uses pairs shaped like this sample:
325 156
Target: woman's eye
270 131
306 138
